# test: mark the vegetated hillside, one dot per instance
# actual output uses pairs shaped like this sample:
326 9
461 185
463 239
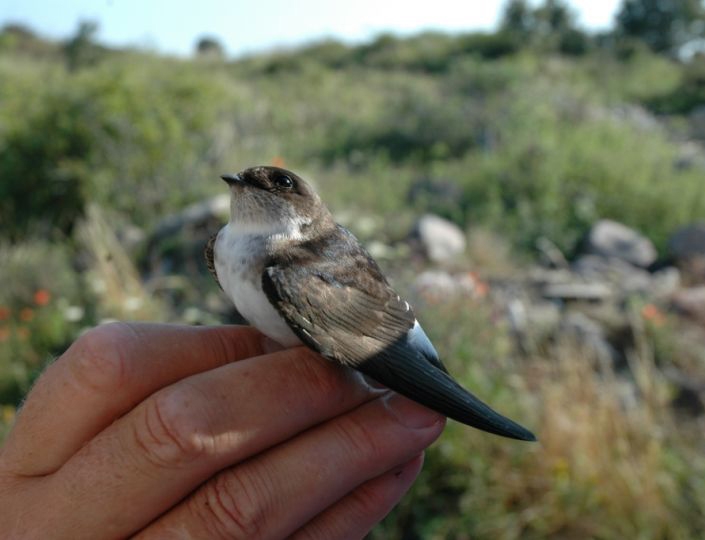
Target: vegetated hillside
538 143
520 142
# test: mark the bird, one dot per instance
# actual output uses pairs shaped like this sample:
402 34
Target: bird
302 279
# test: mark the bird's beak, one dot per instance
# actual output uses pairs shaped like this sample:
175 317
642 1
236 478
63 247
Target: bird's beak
231 179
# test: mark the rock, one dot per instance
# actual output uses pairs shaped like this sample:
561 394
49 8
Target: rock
380 250
436 285
175 246
578 290
439 239
589 334
697 122
532 323
215 209
690 302
691 155
540 276
687 248
612 239
689 390
550 254
688 241
665 282
636 117
624 276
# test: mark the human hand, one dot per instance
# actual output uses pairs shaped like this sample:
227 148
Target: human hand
164 431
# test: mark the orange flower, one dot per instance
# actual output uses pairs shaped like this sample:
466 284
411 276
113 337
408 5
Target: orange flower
42 297
4 333
26 314
4 313
23 333
653 314
278 161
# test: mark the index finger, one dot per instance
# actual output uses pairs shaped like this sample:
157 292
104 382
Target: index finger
104 374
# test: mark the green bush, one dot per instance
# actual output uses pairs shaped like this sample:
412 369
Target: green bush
136 139
39 314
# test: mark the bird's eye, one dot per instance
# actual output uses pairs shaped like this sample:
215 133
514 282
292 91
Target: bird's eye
284 182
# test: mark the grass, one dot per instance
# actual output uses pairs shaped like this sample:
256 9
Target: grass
612 460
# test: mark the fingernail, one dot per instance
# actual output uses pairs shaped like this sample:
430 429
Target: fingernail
372 383
270 346
409 413
414 464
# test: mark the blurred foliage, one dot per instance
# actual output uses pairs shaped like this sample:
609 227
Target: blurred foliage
210 48
536 130
81 50
604 467
688 95
663 25
33 321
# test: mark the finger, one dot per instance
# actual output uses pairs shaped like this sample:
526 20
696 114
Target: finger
170 444
274 494
356 514
104 374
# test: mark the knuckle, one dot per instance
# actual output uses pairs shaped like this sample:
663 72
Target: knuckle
171 432
359 441
100 359
233 507
366 501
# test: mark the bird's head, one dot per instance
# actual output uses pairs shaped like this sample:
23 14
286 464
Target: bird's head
274 201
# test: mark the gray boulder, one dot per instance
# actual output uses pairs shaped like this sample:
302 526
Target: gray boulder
436 285
687 248
438 239
691 302
624 276
612 239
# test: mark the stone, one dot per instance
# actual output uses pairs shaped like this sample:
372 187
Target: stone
687 249
590 335
532 323
175 245
626 278
213 210
439 239
691 155
688 241
609 238
689 390
690 302
665 282
578 290
696 120
437 285
550 254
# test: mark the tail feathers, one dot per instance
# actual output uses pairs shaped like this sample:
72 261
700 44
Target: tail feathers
411 375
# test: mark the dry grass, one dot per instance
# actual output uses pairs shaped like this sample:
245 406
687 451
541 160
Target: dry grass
112 274
612 460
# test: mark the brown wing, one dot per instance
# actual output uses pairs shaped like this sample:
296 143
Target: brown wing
339 321
209 254
377 335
